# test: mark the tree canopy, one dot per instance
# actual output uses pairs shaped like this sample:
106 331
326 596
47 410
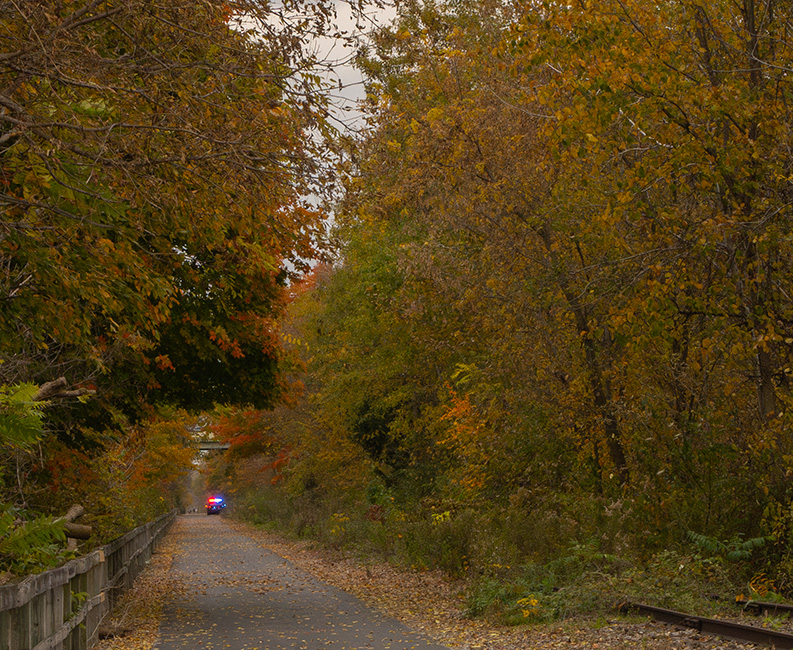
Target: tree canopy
559 305
154 162
157 161
564 271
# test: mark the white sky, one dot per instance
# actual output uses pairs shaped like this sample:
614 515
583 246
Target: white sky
340 55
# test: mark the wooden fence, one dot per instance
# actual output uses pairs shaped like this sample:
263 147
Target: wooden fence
61 609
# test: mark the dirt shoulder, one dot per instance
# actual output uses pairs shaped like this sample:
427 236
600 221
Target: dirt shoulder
427 602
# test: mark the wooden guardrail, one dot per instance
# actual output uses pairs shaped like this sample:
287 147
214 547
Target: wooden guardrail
61 609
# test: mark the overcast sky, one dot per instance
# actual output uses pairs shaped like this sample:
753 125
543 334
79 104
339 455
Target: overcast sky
341 55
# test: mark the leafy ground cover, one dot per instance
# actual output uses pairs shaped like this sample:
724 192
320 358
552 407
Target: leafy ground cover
427 601
134 622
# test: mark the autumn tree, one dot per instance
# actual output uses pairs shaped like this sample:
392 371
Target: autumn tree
153 163
589 197
155 160
476 175
674 121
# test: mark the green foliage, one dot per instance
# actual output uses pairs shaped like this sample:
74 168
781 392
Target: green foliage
78 598
30 543
20 418
684 582
585 582
573 584
736 549
439 540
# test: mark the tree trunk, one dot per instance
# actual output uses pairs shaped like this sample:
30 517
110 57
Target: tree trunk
600 389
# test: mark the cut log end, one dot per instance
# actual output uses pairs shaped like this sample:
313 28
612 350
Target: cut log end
77 531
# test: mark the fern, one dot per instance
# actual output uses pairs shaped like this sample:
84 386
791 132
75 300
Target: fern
20 416
733 550
30 543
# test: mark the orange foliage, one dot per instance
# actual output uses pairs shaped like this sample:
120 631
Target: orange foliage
278 464
468 438
163 362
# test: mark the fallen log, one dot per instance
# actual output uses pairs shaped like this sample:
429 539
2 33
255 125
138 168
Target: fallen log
75 531
74 513
56 389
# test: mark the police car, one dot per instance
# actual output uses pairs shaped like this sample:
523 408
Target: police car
215 504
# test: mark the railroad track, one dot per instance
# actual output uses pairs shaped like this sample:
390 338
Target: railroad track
757 607
727 629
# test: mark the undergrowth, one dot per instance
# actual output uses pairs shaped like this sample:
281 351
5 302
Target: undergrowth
585 582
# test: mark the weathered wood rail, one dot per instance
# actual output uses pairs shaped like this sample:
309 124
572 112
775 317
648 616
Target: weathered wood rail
61 609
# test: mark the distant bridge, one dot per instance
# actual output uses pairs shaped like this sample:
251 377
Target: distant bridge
209 446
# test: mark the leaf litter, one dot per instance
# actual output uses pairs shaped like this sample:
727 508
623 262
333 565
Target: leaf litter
133 623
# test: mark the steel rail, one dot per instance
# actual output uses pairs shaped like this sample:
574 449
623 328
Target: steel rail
727 629
759 607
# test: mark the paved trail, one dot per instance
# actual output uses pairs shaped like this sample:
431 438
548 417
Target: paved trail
238 595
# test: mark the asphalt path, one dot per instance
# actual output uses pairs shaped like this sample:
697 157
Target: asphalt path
235 594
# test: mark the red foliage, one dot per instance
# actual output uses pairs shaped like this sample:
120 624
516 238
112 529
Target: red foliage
277 465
